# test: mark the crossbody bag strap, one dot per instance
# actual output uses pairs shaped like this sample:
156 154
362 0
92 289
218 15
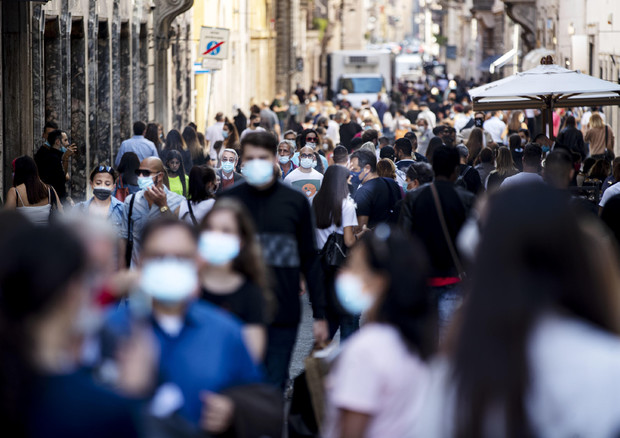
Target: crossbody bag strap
129 248
191 212
606 137
446 234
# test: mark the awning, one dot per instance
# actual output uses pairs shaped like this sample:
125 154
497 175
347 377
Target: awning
502 60
486 62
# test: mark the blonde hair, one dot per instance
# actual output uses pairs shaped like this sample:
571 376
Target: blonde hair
596 121
386 168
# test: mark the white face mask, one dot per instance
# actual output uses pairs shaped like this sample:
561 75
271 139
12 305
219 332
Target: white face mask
258 172
218 248
350 293
311 145
169 280
284 159
306 163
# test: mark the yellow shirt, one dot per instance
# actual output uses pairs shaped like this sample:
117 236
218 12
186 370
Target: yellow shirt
176 186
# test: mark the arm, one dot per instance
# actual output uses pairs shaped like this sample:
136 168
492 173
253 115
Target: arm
121 151
405 221
353 424
255 337
362 222
11 200
58 203
349 237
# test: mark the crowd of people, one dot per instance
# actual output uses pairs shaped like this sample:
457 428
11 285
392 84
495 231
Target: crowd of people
466 264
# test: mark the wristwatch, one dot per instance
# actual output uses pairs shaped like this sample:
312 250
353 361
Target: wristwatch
164 209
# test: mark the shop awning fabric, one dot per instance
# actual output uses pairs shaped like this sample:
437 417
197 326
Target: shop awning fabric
545 87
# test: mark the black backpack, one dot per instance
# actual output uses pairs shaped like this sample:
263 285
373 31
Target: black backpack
460 181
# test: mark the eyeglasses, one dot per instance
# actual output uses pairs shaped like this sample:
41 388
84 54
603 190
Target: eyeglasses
311 139
144 172
104 169
306 156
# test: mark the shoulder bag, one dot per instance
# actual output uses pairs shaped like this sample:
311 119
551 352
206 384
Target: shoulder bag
129 248
334 252
442 220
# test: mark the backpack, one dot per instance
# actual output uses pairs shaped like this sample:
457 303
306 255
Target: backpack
460 181
121 191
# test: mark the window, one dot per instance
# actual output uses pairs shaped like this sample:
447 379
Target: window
361 85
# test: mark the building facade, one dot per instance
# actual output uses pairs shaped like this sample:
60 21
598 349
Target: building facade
93 67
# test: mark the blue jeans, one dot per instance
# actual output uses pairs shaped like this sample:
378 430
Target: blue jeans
448 299
280 344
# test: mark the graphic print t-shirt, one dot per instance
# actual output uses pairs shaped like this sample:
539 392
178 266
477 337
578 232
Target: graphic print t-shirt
307 183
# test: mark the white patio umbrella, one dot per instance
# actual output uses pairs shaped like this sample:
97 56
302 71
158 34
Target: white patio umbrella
545 87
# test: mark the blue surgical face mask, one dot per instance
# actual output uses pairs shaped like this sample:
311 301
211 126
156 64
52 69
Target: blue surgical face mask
306 163
258 172
169 280
144 182
350 293
63 149
225 134
545 149
355 178
228 166
218 248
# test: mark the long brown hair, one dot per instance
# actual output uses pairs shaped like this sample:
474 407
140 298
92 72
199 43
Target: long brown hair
191 140
27 173
232 141
249 262
474 145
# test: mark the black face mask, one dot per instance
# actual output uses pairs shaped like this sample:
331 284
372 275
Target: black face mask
478 123
102 193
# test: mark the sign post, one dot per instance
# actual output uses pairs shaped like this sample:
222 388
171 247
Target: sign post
212 49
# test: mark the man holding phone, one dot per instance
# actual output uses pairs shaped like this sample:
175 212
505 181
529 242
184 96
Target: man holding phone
53 161
153 200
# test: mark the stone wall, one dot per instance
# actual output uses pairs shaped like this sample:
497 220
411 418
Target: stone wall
89 66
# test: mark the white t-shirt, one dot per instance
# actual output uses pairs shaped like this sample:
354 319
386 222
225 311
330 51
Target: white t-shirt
200 210
349 219
333 131
609 193
574 384
378 375
307 183
247 131
522 178
495 127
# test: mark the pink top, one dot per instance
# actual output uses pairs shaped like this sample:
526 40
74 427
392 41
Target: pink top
377 375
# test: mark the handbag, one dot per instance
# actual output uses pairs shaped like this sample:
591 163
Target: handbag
334 252
121 191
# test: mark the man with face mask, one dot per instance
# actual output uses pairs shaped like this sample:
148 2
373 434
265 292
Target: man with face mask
53 161
152 201
284 224
226 173
495 126
286 150
255 121
201 349
305 178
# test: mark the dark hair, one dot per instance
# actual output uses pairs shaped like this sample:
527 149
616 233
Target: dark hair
53 136
405 304
570 121
587 164
163 222
411 173
191 140
433 144
199 177
445 161
387 152
50 125
611 216
355 144
172 154
370 135
532 154
558 166
127 168
600 170
525 131
103 169
249 262
615 171
514 142
301 138
424 171
233 135
175 141
26 173
37 264
319 163
152 134
539 136
410 135
531 266
341 154
404 145
439 130
365 158
486 155
474 144
327 204
139 128
263 140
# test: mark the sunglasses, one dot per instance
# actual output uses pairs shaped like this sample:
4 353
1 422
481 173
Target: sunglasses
311 139
104 169
145 172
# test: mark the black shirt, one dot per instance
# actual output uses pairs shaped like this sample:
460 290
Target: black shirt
419 217
285 227
376 199
49 164
471 178
246 303
347 132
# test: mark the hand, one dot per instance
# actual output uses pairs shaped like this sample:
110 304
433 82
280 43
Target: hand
319 329
158 196
70 151
217 412
137 363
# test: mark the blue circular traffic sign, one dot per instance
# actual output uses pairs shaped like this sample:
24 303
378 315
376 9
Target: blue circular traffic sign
215 50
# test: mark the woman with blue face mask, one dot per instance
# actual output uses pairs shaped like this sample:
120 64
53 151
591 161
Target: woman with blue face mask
377 384
232 273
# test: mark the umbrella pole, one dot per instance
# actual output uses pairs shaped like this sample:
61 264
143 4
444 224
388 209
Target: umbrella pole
545 123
